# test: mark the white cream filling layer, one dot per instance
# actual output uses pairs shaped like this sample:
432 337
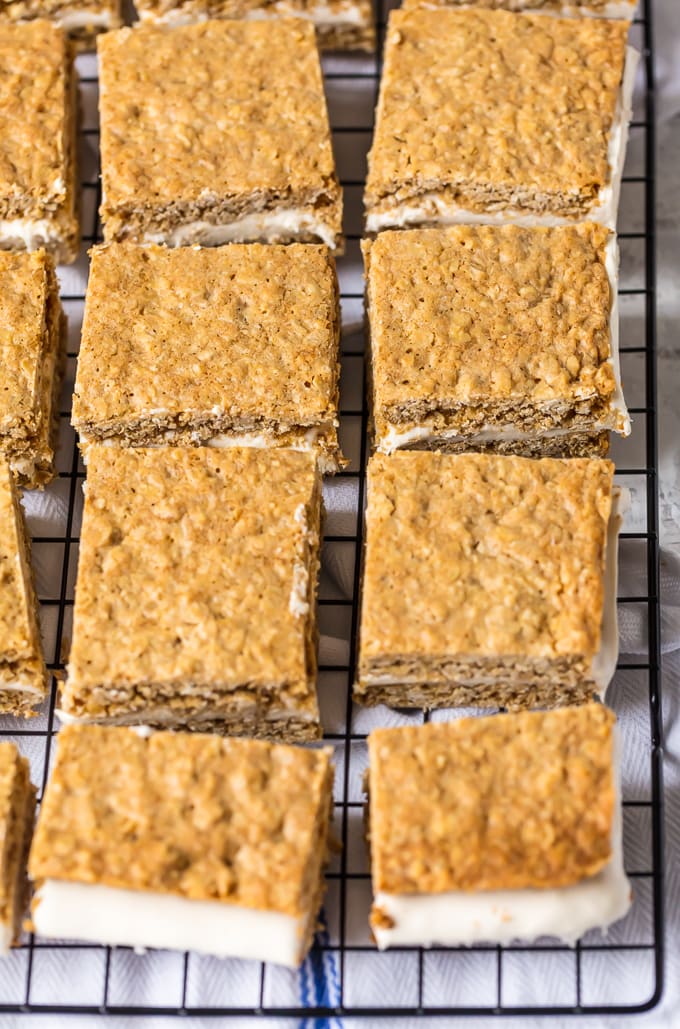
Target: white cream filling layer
455 918
134 918
604 661
254 439
71 21
298 603
432 207
265 226
395 437
321 15
6 939
20 686
31 232
241 712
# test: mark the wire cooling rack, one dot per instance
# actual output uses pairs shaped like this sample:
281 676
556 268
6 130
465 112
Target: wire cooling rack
615 973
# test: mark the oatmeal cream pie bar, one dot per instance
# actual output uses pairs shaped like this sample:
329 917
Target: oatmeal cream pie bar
81 19
234 146
196 588
201 843
488 116
23 676
339 24
496 829
563 8
489 581
38 190
226 346
17 814
490 337
33 353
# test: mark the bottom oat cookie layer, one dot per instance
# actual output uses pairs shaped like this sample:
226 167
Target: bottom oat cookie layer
195 599
187 842
23 675
17 814
498 828
488 581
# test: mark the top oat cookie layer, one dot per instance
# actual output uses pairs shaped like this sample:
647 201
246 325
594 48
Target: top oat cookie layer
198 816
25 282
490 103
190 569
504 802
219 109
251 330
481 555
34 98
490 315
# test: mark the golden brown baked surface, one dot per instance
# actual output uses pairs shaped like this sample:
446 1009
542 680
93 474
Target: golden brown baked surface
491 326
481 556
196 587
188 344
32 352
238 127
497 109
504 802
21 657
202 817
17 812
37 166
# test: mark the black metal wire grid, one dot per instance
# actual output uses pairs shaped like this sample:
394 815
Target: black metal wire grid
621 972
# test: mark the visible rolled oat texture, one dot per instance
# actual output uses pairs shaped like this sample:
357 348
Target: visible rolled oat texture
38 104
226 346
234 146
483 580
195 597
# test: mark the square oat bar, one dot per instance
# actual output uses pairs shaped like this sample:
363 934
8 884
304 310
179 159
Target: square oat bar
38 185
226 346
496 829
339 24
23 675
17 814
490 337
489 581
33 355
492 116
202 843
563 8
196 588
233 147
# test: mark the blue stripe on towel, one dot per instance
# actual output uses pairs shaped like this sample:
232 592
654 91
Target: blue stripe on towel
320 982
